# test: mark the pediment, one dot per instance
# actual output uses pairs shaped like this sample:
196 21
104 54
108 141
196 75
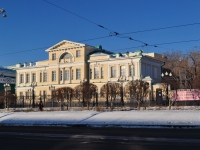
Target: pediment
65 45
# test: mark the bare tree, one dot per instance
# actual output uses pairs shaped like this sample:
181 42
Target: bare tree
138 89
85 92
64 94
110 91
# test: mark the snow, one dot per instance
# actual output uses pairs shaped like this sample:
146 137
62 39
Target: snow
134 118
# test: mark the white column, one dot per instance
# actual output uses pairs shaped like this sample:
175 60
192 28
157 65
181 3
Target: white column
18 79
24 78
108 71
30 77
70 74
99 72
118 71
127 71
63 75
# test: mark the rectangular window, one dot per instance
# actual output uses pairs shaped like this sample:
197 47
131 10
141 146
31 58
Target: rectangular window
72 75
78 53
132 70
27 78
90 73
34 77
102 73
44 94
61 75
54 56
143 70
40 76
21 78
155 72
53 75
148 70
96 72
21 95
45 77
27 95
78 74
113 72
122 71
66 74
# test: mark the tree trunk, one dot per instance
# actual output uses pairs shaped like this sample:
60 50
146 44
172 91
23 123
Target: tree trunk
138 105
88 105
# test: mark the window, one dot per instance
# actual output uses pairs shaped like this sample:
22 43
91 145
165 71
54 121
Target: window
78 53
45 77
90 73
72 74
44 94
155 72
122 71
40 76
54 56
21 95
34 77
143 70
148 70
53 75
102 73
27 78
113 72
96 72
21 78
78 74
131 70
27 95
66 74
61 75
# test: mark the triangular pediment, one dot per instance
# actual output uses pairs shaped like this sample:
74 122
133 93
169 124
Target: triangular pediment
64 45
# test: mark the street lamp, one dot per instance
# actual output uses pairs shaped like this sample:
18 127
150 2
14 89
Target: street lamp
2 11
33 85
6 87
52 89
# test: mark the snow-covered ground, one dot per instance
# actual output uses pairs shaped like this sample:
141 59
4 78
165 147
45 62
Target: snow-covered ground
134 118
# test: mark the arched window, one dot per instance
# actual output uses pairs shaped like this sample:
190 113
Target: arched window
66 57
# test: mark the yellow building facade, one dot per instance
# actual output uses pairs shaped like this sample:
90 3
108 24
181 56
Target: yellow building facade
70 63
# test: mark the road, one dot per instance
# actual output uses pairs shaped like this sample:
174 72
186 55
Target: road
76 138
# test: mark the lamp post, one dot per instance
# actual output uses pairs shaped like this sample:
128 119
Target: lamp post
52 89
33 85
3 12
166 74
6 87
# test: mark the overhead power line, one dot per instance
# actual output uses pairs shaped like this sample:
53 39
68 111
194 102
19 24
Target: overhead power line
112 33
153 45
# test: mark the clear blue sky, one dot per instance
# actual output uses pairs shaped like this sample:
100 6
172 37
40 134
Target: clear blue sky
33 24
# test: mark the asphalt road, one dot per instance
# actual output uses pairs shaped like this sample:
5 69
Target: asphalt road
76 138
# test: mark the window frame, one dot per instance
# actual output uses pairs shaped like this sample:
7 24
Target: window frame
53 56
53 76
78 74
78 53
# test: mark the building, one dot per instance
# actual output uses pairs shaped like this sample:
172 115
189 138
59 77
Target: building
7 76
70 63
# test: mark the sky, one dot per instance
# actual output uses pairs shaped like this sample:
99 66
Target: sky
32 26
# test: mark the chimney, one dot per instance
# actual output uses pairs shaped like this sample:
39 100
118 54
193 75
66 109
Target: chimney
31 63
25 64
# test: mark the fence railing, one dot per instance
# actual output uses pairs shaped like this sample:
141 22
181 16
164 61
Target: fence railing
49 101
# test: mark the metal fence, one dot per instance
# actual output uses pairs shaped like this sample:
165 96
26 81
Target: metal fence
48 101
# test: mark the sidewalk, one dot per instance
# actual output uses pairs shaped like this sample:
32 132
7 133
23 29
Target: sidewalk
134 118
